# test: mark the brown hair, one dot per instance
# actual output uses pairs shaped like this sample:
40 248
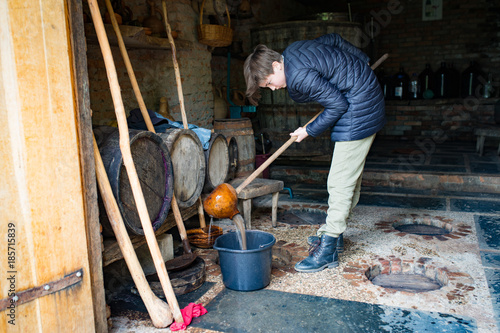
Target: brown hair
257 67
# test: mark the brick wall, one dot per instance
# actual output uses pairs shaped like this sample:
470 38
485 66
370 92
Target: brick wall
154 71
467 31
453 119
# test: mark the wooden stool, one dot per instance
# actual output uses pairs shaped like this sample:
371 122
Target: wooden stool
482 133
258 187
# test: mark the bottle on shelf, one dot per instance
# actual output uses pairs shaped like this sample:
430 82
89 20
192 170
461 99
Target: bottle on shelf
401 82
488 87
442 81
414 87
385 82
426 81
470 83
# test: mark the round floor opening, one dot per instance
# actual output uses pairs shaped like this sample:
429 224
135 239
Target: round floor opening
302 216
414 278
413 283
425 226
422 229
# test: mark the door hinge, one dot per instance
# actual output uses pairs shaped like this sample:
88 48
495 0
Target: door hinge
28 295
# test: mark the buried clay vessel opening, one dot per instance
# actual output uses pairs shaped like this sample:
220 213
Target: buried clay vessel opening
424 226
414 278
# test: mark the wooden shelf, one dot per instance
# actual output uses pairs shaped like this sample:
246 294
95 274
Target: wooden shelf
443 101
134 37
112 252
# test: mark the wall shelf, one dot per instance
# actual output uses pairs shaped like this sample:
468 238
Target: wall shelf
470 101
135 37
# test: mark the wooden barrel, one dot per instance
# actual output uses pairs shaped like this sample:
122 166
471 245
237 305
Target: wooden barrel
241 130
217 161
155 171
232 147
188 159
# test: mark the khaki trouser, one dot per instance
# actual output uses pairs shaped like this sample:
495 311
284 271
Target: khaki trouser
344 183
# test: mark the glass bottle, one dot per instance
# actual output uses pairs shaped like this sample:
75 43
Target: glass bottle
385 84
401 82
442 79
470 80
488 88
426 81
414 87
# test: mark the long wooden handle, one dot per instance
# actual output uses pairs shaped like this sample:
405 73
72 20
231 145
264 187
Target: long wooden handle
271 159
176 65
158 310
380 60
201 213
181 227
289 142
142 106
129 163
128 65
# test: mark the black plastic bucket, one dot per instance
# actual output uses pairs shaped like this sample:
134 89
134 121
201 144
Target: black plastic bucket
249 269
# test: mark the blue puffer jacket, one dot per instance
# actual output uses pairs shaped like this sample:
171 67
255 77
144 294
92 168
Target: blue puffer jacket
334 73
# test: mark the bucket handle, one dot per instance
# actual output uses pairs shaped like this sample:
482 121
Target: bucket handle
268 244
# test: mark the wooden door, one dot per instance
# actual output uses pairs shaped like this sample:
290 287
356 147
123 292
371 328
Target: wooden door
42 201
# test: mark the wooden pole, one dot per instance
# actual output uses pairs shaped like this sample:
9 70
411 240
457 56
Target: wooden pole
158 310
145 114
128 65
176 65
201 212
129 163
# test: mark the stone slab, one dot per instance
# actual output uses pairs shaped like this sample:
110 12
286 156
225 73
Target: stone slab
491 260
477 206
488 232
493 277
403 202
275 311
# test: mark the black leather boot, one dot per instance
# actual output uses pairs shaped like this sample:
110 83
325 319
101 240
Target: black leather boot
322 255
340 242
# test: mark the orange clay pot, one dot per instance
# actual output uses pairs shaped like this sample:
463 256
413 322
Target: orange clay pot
222 203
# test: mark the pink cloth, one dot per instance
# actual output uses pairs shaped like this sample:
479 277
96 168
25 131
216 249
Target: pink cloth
188 313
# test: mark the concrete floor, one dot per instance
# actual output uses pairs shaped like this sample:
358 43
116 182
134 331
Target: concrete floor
444 185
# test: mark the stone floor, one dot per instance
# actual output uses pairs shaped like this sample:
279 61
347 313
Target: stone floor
465 261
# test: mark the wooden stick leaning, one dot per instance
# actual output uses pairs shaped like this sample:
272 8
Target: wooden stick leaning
128 65
158 310
176 65
289 142
129 163
137 91
201 213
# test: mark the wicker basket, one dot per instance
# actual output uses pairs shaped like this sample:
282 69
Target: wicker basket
215 35
204 238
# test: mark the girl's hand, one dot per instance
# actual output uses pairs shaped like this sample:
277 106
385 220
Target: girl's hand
300 133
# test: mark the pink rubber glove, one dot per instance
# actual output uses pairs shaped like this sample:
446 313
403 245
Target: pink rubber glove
188 313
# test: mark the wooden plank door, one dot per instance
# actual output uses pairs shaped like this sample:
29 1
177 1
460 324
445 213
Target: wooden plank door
42 214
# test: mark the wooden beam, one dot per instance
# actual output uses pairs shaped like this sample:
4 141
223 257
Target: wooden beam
84 128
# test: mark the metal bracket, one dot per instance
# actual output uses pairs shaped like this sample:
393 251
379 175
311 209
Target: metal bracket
47 289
